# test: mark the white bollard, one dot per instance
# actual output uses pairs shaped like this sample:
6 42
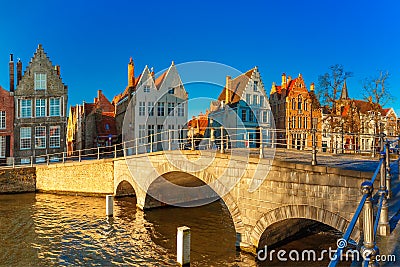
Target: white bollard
183 246
109 205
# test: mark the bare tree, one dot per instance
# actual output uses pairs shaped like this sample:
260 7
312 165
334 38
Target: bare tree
329 89
378 95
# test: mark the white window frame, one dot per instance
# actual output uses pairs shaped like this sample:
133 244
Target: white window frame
255 99
26 108
3 146
53 107
248 99
146 88
40 81
160 109
170 109
3 122
54 137
40 137
142 133
25 138
181 110
40 107
150 108
142 108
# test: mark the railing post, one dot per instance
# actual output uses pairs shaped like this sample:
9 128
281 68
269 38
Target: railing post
314 147
222 140
32 161
369 249
192 141
383 226
398 158
388 175
261 143
98 153
47 160
169 140
79 155
124 148
136 146
63 157
151 143
212 137
115 151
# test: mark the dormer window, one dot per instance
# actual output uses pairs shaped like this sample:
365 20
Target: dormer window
171 91
300 101
146 89
40 81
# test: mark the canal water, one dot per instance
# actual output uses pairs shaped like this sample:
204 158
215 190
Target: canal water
59 230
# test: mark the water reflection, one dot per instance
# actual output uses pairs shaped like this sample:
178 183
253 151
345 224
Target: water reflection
56 230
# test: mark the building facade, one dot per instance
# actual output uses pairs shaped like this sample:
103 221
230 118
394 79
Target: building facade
296 112
91 125
40 101
6 126
243 109
149 107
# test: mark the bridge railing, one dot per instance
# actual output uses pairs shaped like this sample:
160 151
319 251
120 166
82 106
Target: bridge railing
257 140
371 227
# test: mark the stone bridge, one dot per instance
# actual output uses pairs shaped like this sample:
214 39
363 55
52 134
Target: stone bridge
259 193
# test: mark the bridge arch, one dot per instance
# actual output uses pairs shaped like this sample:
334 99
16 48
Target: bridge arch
301 212
220 189
125 188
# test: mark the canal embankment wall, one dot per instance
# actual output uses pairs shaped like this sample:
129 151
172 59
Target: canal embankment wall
18 180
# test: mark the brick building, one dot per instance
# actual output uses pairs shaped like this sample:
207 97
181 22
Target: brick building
40 110
91 125
296 111
6 123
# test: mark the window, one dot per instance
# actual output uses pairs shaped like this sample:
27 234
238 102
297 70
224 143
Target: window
255 86
299 122
54 137
261 100
25 160
55 107
255 99
293 122
244 115
181 110
305 105
40 81
248 99
40 137
160 109
2 119
25 138
171 91
2 146
107 127
146 89
251 117
142 108
150 132
171 131
40 108
265 116
142 133
258 115
171 107
314 123
300 101
293 103
150 108
305 122
26 108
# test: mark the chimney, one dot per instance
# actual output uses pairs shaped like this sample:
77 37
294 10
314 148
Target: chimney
227 89
131 73
273 88
19 71
11 68
312 87
283 84
57 68
289 79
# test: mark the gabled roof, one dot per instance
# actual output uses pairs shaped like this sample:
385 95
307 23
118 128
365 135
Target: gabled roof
238 86
160 79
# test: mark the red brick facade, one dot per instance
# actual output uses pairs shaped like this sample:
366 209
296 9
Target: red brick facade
7 133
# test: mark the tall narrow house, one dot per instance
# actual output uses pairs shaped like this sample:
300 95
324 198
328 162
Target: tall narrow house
40 111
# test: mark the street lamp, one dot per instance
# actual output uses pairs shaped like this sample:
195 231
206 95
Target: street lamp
314 147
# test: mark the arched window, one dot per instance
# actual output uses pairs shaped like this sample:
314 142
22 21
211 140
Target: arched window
305 105
300 102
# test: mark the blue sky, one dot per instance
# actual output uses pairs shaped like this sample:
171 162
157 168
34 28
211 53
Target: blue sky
92 41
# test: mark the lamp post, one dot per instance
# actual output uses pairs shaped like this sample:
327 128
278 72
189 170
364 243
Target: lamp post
314 147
